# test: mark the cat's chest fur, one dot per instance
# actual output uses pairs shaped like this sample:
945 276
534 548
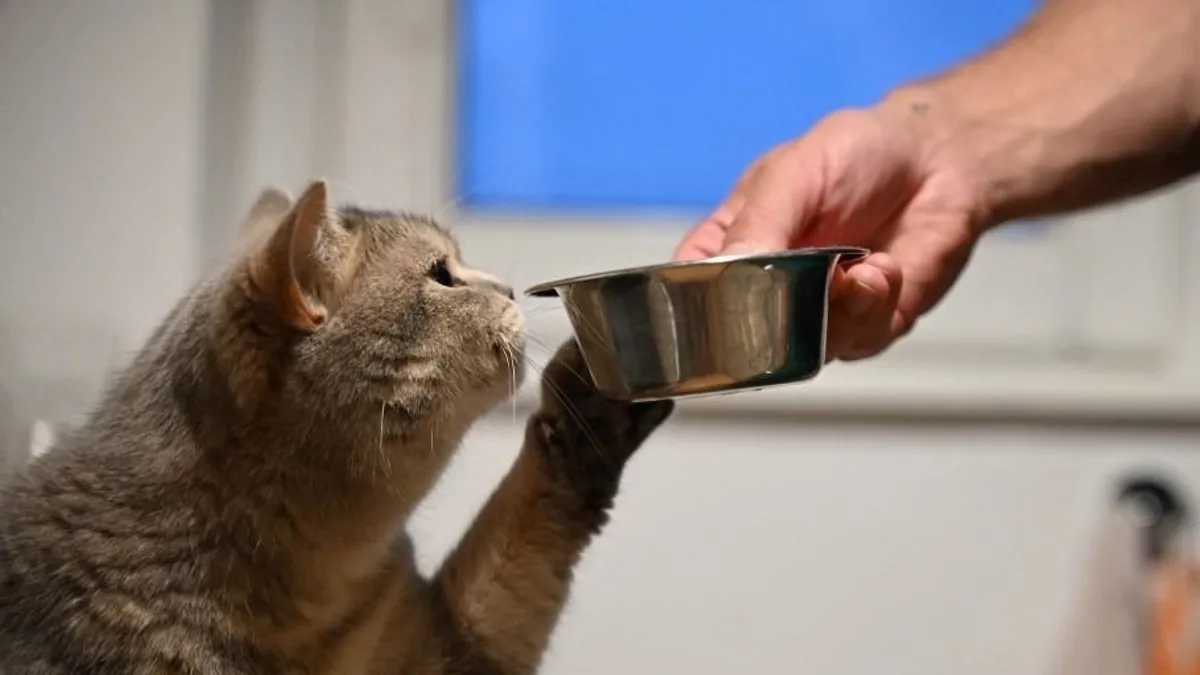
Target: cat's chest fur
341 631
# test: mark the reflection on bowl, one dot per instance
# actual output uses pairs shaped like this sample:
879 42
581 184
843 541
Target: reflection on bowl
707 326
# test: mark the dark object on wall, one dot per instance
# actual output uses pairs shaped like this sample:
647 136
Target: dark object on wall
1159 506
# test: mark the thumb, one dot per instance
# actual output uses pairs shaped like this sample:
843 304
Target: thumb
778 206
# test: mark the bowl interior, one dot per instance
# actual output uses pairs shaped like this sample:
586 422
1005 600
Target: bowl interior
842 254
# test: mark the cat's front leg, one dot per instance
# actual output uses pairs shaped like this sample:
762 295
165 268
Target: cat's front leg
505 584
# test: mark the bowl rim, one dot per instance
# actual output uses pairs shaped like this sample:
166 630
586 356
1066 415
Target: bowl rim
550 288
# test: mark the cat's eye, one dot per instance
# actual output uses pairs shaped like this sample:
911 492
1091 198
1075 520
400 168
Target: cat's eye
440 273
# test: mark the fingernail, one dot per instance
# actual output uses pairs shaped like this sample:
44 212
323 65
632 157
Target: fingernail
860 300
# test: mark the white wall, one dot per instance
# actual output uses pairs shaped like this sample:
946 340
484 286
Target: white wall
737 547
101 119
779 548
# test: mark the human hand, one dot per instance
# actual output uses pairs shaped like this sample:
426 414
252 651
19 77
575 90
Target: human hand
878 178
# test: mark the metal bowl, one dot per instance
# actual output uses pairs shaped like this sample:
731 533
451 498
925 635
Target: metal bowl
707 326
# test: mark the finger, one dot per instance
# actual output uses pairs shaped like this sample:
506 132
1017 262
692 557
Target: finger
932 260
707 238
778 203
869 285
861 318
702 241
875 337
852 307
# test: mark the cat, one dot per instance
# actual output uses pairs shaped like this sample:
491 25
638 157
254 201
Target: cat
236 501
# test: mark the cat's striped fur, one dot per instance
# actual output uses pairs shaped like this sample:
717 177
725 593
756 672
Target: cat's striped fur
232 505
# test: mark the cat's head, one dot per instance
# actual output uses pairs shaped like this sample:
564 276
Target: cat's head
373 315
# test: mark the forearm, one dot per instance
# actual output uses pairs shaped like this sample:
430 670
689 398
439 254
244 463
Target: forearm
1091 101
506 582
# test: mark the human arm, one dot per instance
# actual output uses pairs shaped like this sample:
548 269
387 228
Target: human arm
1090 101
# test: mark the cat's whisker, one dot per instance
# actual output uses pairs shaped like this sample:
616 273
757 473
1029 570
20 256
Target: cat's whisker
570 409
538 341
591 328
433 436
577 416
540 368
510 358
383 458
537 309
545 353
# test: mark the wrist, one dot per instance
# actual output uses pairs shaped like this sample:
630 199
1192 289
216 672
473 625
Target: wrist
577 477
1035 137
944 148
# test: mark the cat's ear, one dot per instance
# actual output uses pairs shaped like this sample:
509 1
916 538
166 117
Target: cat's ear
272 205
287 271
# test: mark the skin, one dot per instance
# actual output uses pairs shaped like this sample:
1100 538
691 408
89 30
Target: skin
1090 102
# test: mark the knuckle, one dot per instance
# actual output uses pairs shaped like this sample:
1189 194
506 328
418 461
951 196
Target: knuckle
903 322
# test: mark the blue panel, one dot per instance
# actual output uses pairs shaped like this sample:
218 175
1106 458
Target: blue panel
595 104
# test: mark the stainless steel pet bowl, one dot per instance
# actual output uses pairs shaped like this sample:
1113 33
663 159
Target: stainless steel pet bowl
701 327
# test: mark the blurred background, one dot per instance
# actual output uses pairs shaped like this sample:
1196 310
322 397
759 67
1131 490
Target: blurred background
933 511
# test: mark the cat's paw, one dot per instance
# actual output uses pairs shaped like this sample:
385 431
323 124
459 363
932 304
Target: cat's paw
588 435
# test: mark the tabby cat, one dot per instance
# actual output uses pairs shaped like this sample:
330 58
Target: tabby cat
236 502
